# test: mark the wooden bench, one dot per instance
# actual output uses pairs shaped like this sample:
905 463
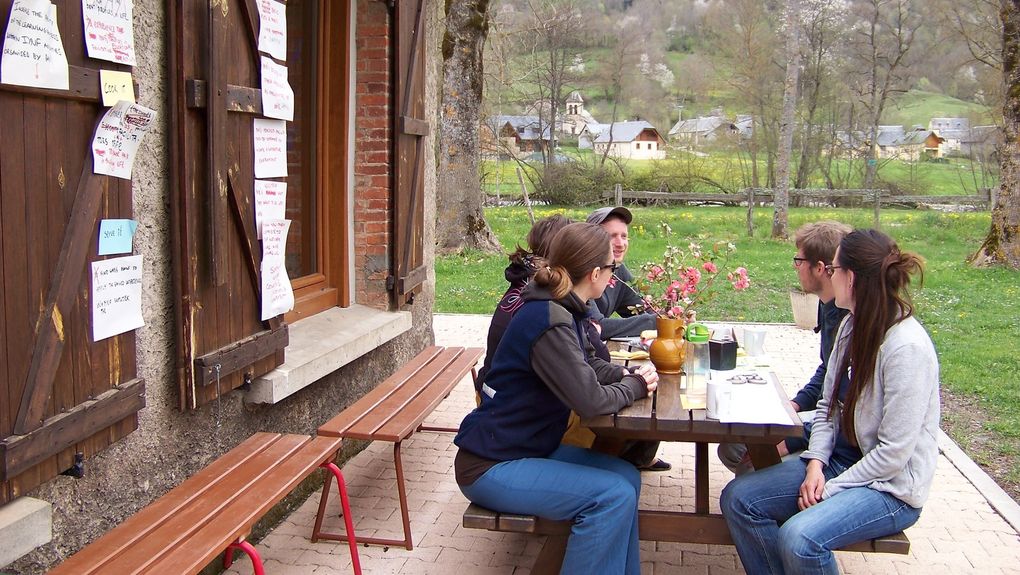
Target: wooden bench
395 410
551 556
213 511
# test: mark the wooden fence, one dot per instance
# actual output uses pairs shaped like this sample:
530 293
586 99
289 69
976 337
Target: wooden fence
985 199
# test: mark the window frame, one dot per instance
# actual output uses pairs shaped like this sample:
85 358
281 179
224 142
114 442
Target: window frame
328 287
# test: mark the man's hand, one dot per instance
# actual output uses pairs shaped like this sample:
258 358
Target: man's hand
647 371
811 489
794 405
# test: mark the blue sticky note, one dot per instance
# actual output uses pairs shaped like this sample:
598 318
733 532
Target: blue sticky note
115 236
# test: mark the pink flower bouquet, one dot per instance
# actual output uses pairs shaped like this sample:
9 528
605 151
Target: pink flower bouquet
686 279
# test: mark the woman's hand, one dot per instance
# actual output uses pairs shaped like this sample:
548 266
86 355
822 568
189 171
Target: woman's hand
651 377
813 485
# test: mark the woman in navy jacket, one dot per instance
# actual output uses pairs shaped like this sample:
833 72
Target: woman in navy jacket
510 456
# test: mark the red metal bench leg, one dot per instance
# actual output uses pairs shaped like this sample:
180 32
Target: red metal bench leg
249 549
317 532
402 494
345 506
317 528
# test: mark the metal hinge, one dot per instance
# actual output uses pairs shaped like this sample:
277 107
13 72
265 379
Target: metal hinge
391 283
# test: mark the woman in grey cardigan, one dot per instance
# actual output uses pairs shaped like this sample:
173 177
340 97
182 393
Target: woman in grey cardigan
871 459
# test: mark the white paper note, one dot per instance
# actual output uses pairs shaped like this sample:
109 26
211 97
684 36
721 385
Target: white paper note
109 33
270 148
33 53
116 296
273 29
277 95
118 137
277 295
755 403
270 202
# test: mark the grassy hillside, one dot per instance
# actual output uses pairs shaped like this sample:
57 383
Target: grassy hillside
917 108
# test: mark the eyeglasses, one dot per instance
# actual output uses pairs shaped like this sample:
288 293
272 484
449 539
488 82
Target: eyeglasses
831 269
798 260
612 267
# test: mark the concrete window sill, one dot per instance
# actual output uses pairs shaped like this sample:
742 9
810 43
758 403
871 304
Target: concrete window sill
323 343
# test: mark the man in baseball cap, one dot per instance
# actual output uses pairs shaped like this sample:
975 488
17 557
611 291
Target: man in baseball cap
619 296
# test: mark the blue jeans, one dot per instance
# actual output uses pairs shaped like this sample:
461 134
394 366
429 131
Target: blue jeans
771 536
597 491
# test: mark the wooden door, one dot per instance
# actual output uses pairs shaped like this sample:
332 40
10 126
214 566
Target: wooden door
215 96
64 395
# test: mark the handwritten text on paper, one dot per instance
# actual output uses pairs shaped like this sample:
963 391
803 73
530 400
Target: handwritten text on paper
277 95
116 296
270 202
109 33
273 29
118 136
270 138
33 53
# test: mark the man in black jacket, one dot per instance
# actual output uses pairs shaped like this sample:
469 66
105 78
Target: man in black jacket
619 297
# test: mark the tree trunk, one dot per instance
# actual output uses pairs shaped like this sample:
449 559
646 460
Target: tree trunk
460 221
781 201
1002 245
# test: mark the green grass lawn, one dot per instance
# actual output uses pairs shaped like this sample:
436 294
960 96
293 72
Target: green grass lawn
973 315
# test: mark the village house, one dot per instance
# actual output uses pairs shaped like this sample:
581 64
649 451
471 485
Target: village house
507 136
895 142
953 131
696 132
117 391
631 140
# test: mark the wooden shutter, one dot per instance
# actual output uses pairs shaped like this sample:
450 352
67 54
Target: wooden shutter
214 77
63 394
411 130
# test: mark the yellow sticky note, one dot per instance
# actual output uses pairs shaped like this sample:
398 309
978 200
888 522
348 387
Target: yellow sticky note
116 86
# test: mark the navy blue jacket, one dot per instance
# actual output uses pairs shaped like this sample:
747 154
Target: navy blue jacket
543 367
829 318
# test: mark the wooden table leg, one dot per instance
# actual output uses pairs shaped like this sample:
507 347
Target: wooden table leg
763 455
701 477
550 558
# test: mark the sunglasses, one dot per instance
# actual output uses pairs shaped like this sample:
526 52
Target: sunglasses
831 269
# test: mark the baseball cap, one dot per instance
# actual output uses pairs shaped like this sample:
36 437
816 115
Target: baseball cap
600 215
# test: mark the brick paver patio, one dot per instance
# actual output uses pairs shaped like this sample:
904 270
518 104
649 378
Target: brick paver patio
959 532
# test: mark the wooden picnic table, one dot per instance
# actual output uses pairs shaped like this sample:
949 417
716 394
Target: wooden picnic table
671 415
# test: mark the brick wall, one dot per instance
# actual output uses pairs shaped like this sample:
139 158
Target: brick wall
372 155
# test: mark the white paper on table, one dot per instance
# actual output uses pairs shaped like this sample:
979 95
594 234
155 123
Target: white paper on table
273 29
277 95
270 139
33 53
118 136
109 33
270 202
116 296
277 295
755 403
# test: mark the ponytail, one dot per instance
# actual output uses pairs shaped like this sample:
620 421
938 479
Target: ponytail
555 279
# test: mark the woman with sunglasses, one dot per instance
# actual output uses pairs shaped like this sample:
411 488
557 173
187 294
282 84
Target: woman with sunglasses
872 453
510 458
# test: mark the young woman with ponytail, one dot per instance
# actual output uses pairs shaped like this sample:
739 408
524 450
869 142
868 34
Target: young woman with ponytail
872 454
510 458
